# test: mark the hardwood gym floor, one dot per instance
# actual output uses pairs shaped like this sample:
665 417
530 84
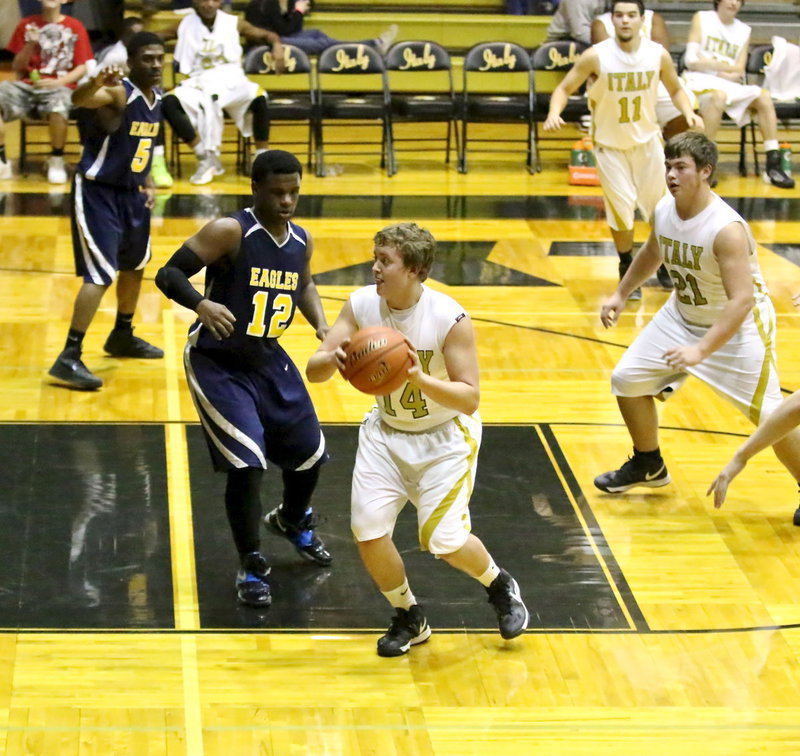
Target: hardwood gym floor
658 624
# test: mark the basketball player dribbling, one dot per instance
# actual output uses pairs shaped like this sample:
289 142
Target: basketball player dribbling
419 443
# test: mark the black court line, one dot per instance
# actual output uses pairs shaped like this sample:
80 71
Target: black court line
389 207
519 509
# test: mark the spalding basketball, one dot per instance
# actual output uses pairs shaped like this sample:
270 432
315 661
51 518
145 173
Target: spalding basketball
377 360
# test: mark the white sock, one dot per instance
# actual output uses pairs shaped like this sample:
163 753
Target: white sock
492 571
159 150
770 144
401 597
199 150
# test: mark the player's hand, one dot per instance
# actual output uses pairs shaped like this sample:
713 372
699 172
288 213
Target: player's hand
302 6
322 332
610 310
723 480
553 122
150 196
279 59
696 123
109 77
682 357
415 372
340 356
217 318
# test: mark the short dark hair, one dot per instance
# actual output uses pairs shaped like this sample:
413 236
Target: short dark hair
274 161
695 145
415 244
142 39
640 3
716 3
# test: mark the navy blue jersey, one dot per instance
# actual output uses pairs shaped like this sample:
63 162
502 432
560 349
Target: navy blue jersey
261 287
123 157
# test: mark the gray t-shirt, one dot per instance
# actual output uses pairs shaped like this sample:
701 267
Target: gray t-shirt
573 20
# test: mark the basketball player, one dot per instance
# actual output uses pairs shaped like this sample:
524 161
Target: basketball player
251 399
112 195
669 117
421 442
625 129
718 325
716 58
209 52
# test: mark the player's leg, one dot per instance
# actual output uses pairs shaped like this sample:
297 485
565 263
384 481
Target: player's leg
246 104
448 459
639 377
15 102
96 238
619 198
768 125
377 497
158 169
647 165
224 399
712 108
260 113
180 108
133 255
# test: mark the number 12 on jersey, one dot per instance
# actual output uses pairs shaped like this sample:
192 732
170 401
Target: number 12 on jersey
282 307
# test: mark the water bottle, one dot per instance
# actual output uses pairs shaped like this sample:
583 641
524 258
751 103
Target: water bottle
785 150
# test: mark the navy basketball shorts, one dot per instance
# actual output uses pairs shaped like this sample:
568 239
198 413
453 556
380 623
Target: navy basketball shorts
110 230
254 414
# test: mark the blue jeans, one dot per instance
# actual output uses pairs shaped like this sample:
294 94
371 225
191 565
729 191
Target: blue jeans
314 41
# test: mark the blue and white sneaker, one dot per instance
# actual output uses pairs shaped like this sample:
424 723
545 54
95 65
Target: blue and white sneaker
251 580
301 536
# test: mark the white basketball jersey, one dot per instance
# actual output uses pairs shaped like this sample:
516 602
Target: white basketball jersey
722 41
688 249
623 97
426 325
200 49
647 26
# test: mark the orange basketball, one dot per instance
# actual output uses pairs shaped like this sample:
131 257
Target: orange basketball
377 360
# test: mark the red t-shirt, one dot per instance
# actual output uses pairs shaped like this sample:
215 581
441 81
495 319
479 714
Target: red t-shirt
63 46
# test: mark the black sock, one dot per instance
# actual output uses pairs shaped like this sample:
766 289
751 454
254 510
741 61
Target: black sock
243 507
625 256
123 322
58 152
298 488
650 457
3 152
74 341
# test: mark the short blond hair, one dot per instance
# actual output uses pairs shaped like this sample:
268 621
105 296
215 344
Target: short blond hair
415 244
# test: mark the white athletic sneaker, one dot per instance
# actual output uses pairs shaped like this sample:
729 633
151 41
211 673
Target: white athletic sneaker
56 171
384 39
218 169
206 170
5 170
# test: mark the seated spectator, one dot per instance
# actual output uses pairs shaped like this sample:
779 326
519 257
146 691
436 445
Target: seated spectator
573 20
716 57
269 14
669 117
209 52
50 54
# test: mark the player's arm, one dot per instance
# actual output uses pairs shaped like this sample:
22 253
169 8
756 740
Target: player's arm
659 32
462 392
777 425
679 97
732 250
104 90
329 357
644 264
255 33
694 58
309 302
218 239
599 31
586 66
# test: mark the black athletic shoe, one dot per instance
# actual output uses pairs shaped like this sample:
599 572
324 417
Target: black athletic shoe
409 627
774 174
504 596
633 473
301 536
124 344
636 294
664 278
251 581
70 371
796 519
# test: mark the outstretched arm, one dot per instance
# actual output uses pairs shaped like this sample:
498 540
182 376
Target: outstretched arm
329 357
309 301
585 66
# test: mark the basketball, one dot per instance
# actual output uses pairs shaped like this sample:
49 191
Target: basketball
377 360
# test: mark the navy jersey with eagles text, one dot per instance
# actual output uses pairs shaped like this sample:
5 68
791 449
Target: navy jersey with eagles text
123 157
260 287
